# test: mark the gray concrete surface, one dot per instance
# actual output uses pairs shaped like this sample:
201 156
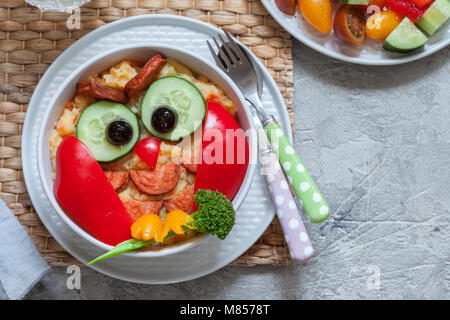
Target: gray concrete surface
377 141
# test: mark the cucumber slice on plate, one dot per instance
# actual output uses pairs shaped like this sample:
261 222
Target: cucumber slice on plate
179 95
435 16
356 2
93 125
405 37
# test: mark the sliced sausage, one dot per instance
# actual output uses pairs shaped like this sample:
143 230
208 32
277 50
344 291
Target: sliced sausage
190 167
138 208
118 179
92 89
146 76
183 201
158 181
188 161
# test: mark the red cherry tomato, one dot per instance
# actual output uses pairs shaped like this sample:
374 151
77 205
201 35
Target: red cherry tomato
225 153
349 24
86 195
148 150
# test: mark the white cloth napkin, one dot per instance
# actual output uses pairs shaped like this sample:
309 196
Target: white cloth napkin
21 265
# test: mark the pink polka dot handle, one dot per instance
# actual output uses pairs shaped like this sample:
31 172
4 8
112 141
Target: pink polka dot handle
297 238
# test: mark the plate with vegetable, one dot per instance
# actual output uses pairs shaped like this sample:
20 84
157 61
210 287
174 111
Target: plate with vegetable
371 32
85 123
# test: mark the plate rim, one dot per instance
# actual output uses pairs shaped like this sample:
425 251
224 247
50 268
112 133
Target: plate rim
169 20
339 56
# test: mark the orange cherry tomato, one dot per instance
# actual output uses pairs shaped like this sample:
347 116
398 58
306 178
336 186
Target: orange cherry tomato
349 24
286 6
318 13
379 3
176 221
148 227
380 25
374 6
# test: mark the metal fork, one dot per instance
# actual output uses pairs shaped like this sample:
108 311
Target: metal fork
234 62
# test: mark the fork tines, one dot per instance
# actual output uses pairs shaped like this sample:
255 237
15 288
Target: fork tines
229 53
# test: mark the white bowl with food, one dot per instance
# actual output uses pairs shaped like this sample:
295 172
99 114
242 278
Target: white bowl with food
115 101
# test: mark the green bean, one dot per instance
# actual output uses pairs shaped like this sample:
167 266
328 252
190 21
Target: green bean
122 247
128 245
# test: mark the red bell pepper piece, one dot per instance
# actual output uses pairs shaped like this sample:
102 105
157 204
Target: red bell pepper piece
148 150
86 195
422 3
405 8
225 153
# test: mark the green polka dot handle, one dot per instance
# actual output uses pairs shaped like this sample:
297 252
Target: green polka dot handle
306 190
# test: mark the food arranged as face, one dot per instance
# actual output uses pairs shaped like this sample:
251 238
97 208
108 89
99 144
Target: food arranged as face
137 144
403 25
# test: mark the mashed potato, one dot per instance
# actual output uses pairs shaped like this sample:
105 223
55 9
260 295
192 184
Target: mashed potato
118 76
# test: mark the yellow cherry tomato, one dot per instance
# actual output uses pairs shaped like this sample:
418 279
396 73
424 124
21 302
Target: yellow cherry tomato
381 24
148 227
175 220
318 13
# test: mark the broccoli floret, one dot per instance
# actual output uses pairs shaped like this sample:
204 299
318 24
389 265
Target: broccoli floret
215 214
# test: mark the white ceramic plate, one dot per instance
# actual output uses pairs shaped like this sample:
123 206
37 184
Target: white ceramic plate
371 53
255 213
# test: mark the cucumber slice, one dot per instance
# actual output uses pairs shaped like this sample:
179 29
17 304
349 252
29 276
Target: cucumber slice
435 16
183 97
92 124
405 37
356 2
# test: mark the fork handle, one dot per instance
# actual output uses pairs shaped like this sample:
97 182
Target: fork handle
297 238
306 190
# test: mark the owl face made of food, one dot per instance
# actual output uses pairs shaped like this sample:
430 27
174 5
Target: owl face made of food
132 141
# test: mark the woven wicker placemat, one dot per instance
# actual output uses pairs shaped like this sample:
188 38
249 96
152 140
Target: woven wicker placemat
30 39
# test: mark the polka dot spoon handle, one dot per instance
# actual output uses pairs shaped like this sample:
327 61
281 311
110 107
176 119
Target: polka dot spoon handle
297 238
306 190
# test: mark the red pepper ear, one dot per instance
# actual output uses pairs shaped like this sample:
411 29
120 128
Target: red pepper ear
224 154
86 195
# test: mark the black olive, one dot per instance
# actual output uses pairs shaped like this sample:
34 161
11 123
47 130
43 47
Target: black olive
119 132
164 119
